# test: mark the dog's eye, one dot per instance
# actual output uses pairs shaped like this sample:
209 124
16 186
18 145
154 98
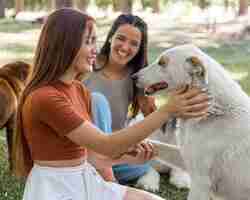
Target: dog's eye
163 62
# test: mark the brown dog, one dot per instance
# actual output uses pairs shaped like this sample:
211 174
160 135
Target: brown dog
13 78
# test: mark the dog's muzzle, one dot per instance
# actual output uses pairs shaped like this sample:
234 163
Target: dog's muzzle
156 87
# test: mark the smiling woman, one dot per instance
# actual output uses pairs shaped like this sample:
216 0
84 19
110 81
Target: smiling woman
123 53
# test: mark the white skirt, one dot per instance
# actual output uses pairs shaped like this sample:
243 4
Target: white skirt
70 183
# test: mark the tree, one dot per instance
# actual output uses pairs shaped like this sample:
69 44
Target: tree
63 3
156 6
203 4
243 7
82 4
2 8
51 4
19 6
115 4
126 6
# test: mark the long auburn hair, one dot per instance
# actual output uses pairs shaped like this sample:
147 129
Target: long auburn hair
60 41
139 61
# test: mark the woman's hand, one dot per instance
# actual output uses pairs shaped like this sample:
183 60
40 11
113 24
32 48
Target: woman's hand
140 153
187 103
146 104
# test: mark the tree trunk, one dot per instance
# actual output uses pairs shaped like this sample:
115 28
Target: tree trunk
243 7
82 4
226 4
203 4
126 6
156 6
63 3
51 5
2 8
116 6
143 3
19 6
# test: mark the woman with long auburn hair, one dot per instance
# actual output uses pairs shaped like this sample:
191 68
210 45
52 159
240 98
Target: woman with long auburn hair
54 128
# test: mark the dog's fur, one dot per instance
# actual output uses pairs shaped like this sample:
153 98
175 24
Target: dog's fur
167 151
13 77
215 149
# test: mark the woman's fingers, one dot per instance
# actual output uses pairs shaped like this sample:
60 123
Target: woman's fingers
191 93
149 150
144 151
198 99
199 107
188 115
193 102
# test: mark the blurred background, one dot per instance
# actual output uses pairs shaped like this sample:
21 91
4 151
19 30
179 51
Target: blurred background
220 27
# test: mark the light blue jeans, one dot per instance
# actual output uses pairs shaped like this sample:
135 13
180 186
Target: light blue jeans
102 118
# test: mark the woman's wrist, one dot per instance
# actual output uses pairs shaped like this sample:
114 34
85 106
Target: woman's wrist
166 111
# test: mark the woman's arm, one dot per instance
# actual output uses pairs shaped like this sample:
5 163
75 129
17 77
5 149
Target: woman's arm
193 103
138 154
146 104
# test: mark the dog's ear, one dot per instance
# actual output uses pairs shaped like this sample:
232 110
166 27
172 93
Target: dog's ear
23 70
163 61
197 68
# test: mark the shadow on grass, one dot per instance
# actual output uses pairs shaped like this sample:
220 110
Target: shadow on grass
14 51
234 55
12 26
15 48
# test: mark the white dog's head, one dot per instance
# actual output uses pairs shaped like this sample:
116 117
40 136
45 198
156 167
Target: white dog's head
174 67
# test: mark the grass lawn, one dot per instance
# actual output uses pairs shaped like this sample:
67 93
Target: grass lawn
18 40
10 187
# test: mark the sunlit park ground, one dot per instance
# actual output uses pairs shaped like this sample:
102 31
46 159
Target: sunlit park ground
18 40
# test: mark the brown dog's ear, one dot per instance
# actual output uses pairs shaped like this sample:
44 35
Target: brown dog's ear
198 68
23 70
164 60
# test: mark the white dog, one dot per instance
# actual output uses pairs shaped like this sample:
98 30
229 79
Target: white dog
167 151
215 149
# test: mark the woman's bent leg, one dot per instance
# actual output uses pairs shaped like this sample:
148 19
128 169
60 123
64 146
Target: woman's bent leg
101 116
101 112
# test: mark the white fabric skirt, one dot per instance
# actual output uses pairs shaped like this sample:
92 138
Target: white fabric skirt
70 183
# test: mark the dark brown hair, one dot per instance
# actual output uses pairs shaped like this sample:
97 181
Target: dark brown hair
59 43
139 61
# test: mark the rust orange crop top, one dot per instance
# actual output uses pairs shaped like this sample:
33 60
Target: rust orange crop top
49 114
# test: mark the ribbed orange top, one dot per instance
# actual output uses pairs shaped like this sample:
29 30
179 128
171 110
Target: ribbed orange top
49 114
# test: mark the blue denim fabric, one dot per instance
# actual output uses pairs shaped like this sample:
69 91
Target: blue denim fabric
102 119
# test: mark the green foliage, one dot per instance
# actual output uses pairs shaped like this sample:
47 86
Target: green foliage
149 3
146 3
10 3
204 3
33 4
103 3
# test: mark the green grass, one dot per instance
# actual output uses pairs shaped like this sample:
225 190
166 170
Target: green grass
10 187
236 58
11 26
17 45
